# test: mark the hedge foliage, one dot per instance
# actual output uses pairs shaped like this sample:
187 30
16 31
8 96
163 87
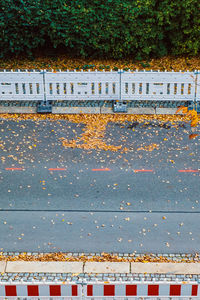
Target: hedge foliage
113 28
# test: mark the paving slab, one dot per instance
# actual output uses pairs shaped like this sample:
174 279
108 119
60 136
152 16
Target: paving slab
172 268
43 267
2 266
131 110
75 110
107 267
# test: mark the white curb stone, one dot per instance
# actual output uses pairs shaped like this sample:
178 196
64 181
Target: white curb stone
107 267
17 110
106 110
76 110
167 111
44 267
172 268
141 110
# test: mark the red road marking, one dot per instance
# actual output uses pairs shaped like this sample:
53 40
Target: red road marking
57 169
106 169
143 171
8 169
188 171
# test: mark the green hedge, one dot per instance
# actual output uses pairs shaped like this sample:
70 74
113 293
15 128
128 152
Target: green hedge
113 28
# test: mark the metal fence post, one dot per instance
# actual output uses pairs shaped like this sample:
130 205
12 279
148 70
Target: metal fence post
120 105
44 106
196 104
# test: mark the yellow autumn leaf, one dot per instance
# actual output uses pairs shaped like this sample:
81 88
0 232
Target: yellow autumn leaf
193 136
183 109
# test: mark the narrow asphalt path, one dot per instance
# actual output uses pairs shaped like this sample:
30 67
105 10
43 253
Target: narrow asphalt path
54 198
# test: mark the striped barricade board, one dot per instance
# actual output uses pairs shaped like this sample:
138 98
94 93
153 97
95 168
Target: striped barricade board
128 290
38 289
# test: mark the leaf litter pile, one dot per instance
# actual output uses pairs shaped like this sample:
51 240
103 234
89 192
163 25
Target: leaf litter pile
64 62
103 257
95 127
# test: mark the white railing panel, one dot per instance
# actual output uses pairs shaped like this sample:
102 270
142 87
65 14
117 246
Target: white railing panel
158 86
82 85
16 86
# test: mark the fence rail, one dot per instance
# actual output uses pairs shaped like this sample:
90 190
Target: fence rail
99 290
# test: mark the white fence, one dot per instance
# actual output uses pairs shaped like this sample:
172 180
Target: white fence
158 86
97 85
16 86
82 85
100 290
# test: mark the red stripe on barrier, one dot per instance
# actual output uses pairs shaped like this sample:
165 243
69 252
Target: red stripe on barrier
143 171
109 290
57 169
55 290
11 290
175 290
153 290
8 169
105 169
194 290
33 290
74 290
131 290
90 290
188 171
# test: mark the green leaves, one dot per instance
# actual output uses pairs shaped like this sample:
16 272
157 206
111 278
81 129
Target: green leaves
112 29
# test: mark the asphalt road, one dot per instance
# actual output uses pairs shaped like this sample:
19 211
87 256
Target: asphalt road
54 198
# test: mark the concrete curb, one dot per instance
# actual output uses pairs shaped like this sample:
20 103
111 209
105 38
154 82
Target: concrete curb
76 110
17 110
166 111
98 267
90 110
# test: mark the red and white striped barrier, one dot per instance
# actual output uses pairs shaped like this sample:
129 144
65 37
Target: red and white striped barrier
142 290
39 290
92 290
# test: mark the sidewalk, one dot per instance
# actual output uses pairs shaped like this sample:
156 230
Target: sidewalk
98 267
101 271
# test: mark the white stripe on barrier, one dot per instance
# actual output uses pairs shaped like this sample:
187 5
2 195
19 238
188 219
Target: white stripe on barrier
44 290
163 289
66 290
186 290
120 290
142 290
2 291
22 290
97 289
